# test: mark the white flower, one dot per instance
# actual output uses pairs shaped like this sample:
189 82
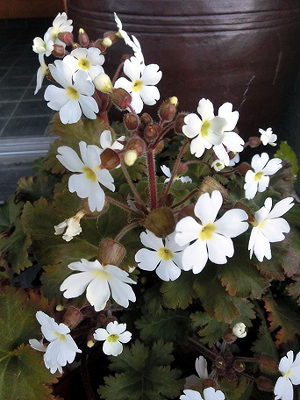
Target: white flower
61 350
208 394
218 165
103 83
258 180
167 172
268 137
268 227
113 335
76 96
87 60
239 330
41 73
290 370
205 132
234 160
165 256
90 174
201 367
61 23
211 239
231 141
70 227
107 143
41 46
141 83
99 282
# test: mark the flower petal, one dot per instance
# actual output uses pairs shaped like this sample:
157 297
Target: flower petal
218 248
207 207
232 224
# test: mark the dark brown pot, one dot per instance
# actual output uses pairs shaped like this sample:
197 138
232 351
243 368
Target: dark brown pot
245 52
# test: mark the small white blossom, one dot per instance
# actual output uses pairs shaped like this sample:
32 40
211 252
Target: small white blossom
100 282
208 394
70 227
167 172
290 370
259 179
234 160
218 165
113 335
201 369
88 60
107 143
86 182
268 137
142 83
74 98
165 256
206 131
43 46
61 348
61 23
268 227
41 73
211 239
239 330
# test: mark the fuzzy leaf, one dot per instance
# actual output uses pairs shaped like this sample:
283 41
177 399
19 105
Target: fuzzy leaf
210 330
31 188
294 288
291 259
285 152
264 342
179 293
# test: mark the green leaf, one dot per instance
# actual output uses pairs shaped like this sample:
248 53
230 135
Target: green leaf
210 330
285 152
144 373
264 342
31 188
179 293
293 289
236 390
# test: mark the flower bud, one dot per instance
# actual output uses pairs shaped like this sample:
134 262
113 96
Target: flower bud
239 366
59 307
229 337
111 35
168 109
90 343
66 37
239 330
267 364
146 119
83 38
109 159
72 317
151 132
179 122
209 184
160 221
136 144
103 83
243 168
130 157
58 50
107 42
120 98
111 252
264 384
131 121
254 141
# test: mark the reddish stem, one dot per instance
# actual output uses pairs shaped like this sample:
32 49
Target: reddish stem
117 73
152 178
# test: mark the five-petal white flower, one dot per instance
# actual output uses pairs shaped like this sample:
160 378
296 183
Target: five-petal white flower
268 227
141 83
290 370
268 137
61 23
167 172
88 60
208 394
76 96
113 335
43 46
259 179
165 256
61 350
209 239
99 282
90 174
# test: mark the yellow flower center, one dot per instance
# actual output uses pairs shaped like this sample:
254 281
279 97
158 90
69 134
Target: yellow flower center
258 175
204 128
165 254
90 174
60 335
207 231
101 274
137 86
113 338
72 92
84 64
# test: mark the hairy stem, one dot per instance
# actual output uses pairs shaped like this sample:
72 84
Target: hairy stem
163 132
186 198
208 353
125 230
131 184
152 178
119 204
117 73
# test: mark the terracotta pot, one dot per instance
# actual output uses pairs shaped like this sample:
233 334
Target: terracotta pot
245 52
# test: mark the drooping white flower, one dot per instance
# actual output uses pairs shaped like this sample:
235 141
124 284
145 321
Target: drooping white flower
61 23
239 330
43 46
268 137
141 83
100 282
208 394
211 238
86 182
41 73
259 179
167 172
88 60
70 227
107 143
113 335
61 348
76 96
201 367
290 370
165 256
206 131
234 160
268 227
218 165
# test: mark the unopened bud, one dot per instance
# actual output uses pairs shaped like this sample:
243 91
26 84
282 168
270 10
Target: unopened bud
239 330
131 121
90 343
83 38
103 83
151 132
268 365
111 35
137 144
146 119
58 50
121 98
243 168
107 42
209 184
160 221
130 157
168 109
239 366
72 317
264 384
229 336
254 141
111 252
179 122
66 37
109 159
59 307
